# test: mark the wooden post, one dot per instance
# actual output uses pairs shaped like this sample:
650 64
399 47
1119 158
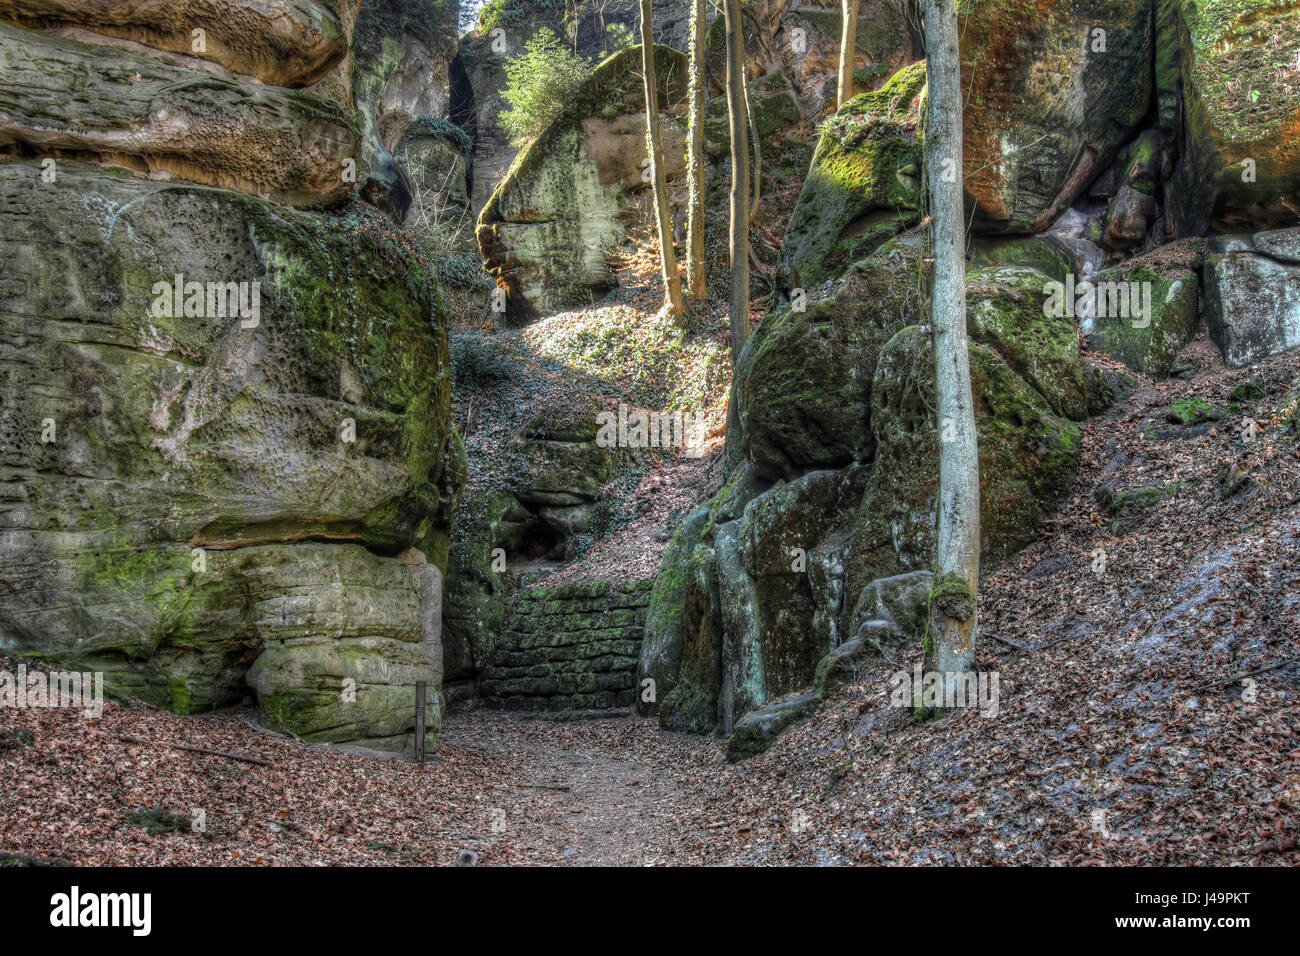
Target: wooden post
419 721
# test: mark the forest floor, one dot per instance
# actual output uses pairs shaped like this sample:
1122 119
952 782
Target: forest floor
1149 714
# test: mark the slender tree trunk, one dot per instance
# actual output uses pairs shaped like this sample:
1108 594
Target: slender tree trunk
738 117
696 271
848 51
954 600
667 254
756 171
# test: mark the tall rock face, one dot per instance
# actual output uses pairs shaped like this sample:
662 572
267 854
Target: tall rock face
1053 89
1252 295
403 54
547 230
225 424
1229 83
290 43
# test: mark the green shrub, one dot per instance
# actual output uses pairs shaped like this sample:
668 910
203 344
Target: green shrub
539 82
477 362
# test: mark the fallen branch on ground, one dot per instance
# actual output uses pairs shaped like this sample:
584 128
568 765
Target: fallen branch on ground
126 738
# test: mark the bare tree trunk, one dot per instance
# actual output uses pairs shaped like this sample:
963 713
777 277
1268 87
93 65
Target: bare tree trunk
756 172
696 271
667 254
738 117
848 51
951 643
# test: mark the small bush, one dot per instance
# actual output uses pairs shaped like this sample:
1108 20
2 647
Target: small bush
464 270
477 362
539 82
156 820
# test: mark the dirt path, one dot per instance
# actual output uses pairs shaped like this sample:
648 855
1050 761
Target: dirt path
594 792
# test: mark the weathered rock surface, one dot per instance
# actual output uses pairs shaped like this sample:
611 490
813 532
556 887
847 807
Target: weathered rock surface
1148 343
571 647
756 590
1048 101
435 155
280 42
888 618
186 492
1252 295
1028 456
546 231
1229 81
154 113
803 382
801 39
756 731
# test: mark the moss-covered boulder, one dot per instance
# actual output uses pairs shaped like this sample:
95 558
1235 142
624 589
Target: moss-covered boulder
1148 343
1229 98
1028 458
777 572
888 619
1005 310
547 230
684 627
1047 254
803 382
864 186
479 584
188 489
747 596
801 38
435 154
1053 89
757 730
154 114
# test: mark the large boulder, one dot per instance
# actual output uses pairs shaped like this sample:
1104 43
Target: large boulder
803 380
154 113
190 489
505 27
435 155
547 230
1252 295
1052 89
776 573
864 186
280 42
1228 74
